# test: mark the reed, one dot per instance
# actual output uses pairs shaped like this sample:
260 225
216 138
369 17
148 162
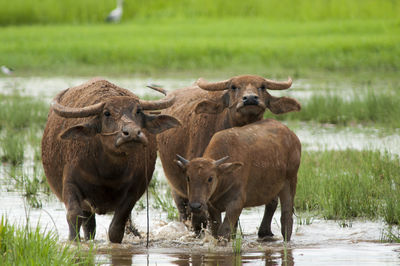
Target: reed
23 245
347 184
370 108
22 112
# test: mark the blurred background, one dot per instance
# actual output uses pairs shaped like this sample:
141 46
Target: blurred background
300 38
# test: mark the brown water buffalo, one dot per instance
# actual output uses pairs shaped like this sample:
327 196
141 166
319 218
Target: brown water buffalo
99 152
244 167
208 108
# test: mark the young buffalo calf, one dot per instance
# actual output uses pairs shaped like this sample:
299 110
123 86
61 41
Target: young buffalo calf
264 158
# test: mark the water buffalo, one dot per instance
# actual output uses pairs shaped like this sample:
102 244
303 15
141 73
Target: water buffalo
207 108
99 152
244 167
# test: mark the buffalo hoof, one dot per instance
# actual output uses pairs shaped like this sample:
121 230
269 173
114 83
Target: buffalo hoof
116 236
267 239
222 241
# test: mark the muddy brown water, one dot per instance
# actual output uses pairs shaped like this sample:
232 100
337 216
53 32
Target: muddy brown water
319 242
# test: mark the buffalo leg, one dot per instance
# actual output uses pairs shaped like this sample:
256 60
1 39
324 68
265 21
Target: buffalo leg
89 225
214 220
117 227
286 199
182 205
75 215
233 212
265 227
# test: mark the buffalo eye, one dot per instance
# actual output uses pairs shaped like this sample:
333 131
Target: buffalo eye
262 88
234 87
107 113
210 179
139 110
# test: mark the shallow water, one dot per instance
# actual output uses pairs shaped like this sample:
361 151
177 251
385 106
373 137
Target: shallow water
314 241
329 137
49 87
319 243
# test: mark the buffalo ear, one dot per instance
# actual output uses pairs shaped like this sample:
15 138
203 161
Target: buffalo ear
281 105
158 123
227 168
81 131
209 107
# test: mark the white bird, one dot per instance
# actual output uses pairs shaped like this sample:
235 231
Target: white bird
116 14
7 70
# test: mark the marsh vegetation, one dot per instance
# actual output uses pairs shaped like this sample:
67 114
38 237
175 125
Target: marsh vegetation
23 245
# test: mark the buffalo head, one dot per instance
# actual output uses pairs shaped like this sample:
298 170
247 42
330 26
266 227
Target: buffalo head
246 97
118 121
203 176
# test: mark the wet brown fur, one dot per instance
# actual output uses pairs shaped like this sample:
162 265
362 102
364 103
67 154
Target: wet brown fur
203 113
269 155
83 175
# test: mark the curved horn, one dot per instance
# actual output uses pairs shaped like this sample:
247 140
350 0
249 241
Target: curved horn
212 86
182 160
220 161
71 112
276 85
158 104
157 88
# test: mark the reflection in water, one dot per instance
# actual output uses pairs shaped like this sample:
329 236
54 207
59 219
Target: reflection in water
118 258
269 257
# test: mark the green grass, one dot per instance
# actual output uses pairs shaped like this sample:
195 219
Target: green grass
371 108
22 118
205 47
92 11
27 246
12 147
22 112
21 129
237 239
391 234
30 181
163 200
347 184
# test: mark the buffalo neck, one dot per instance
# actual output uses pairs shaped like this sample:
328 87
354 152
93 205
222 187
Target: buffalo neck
110 165
224 121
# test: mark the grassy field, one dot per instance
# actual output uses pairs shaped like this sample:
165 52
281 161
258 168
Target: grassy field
371 109
365 184
205 47
22 245
94 11
22 118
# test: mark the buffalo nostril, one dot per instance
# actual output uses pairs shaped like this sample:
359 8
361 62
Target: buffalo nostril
195 205
250 100
139 132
